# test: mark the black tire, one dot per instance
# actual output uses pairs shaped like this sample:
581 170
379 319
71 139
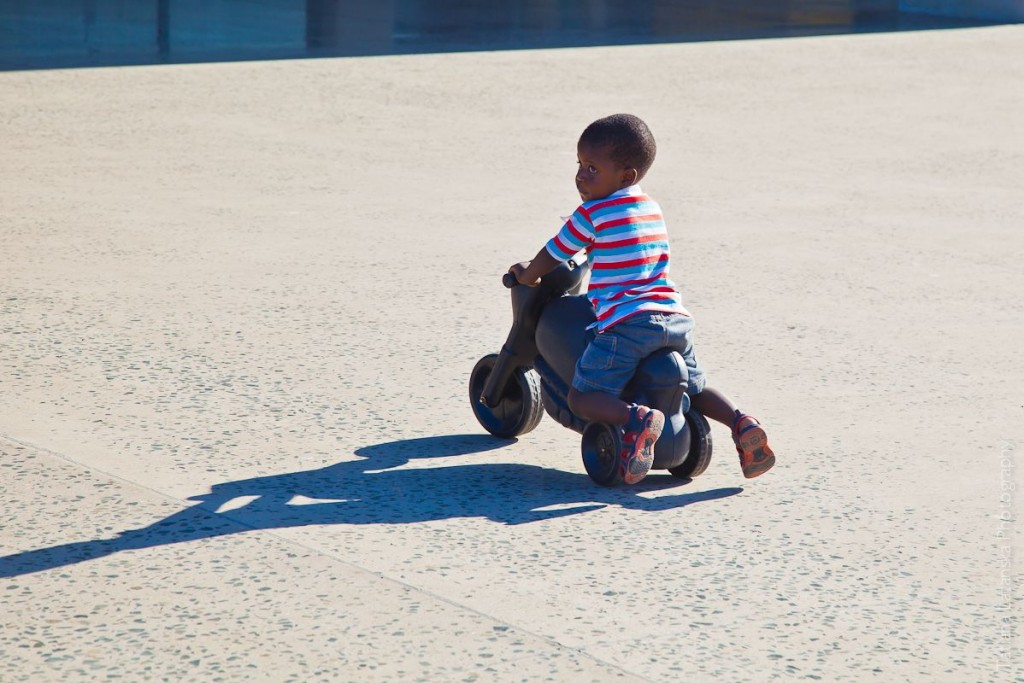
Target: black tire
700 448
519 410
602 446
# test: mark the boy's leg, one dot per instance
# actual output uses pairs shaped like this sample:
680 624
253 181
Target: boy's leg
597 406
603 370
714 405
641 427
756 456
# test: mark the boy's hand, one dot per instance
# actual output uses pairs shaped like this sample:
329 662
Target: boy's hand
519 270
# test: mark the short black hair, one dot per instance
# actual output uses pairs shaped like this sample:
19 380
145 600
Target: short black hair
626 137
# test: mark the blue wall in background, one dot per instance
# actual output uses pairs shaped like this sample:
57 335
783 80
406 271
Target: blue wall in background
51 33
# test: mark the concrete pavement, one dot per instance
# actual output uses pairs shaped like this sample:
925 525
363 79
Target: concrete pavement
241 303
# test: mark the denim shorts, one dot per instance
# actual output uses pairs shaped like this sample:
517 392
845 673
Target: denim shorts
612 356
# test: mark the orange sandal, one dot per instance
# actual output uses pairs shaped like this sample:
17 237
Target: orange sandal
756 456
640 434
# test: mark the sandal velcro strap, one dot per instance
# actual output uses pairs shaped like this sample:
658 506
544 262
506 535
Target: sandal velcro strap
740 416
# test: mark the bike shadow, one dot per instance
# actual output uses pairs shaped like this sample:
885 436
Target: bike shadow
400 482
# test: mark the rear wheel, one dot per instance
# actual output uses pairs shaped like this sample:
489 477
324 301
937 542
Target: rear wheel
700 448
519 410
602 447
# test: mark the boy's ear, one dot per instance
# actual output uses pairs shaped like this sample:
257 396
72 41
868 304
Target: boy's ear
630 176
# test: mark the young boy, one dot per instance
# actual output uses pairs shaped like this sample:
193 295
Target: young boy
639 309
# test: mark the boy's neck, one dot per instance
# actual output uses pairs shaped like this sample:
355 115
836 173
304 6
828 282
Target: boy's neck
623 188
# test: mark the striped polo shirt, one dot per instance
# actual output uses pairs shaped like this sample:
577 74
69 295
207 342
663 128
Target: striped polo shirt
627 246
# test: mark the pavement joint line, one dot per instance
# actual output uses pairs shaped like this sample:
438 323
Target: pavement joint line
329 556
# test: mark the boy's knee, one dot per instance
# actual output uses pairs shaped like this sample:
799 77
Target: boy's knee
582 403
574 399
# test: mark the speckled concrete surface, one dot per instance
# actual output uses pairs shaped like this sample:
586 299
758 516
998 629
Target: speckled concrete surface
241 303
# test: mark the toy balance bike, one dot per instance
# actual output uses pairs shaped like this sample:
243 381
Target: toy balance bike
511 390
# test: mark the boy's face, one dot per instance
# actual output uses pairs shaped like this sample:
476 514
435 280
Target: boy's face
598 176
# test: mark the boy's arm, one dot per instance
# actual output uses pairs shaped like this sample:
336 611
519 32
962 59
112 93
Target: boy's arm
576 233
530 272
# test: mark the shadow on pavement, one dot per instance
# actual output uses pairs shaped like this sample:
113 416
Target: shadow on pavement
377 489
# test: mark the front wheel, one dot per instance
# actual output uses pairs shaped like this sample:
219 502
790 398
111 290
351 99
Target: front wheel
518 411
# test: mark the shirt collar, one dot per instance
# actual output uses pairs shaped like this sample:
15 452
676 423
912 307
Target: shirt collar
631 191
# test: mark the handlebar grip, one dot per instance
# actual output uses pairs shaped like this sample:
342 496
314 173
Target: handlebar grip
509 280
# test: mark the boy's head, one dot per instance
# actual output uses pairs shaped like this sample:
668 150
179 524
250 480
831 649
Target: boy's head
613 153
